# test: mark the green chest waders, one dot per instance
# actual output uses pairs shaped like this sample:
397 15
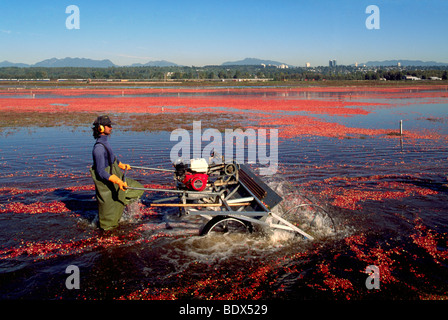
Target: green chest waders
111 199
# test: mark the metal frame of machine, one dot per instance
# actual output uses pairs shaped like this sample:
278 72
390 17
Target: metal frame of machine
224 194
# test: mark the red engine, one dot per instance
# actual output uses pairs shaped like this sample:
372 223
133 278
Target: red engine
195 181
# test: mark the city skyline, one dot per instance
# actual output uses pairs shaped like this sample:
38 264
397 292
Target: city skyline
211 32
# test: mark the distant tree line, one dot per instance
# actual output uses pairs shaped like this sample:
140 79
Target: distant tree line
226 72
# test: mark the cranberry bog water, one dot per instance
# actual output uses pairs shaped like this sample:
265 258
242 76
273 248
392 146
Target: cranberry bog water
386 191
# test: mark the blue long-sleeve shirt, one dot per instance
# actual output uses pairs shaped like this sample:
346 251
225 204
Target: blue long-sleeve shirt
103 156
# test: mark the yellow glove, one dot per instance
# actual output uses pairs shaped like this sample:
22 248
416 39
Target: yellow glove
123 185
124 166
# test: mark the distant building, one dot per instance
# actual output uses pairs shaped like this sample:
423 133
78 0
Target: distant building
411 78
398 64
332 63
356 64
435 78
308 64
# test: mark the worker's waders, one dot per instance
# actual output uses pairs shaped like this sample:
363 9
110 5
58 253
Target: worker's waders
111 199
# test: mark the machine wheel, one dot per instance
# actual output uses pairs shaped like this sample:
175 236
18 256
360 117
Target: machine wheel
225 224
230 169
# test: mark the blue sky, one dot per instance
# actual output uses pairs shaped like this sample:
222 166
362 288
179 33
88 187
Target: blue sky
212 32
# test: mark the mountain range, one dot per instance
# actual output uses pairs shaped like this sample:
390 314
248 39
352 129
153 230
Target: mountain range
90 63
253 61
157 63
67 62
82 63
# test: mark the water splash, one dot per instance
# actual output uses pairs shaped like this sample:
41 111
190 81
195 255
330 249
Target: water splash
132 212
303 210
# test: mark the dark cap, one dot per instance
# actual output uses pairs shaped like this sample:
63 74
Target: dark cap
103 120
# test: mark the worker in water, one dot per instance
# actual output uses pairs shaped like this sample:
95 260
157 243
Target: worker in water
107 172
